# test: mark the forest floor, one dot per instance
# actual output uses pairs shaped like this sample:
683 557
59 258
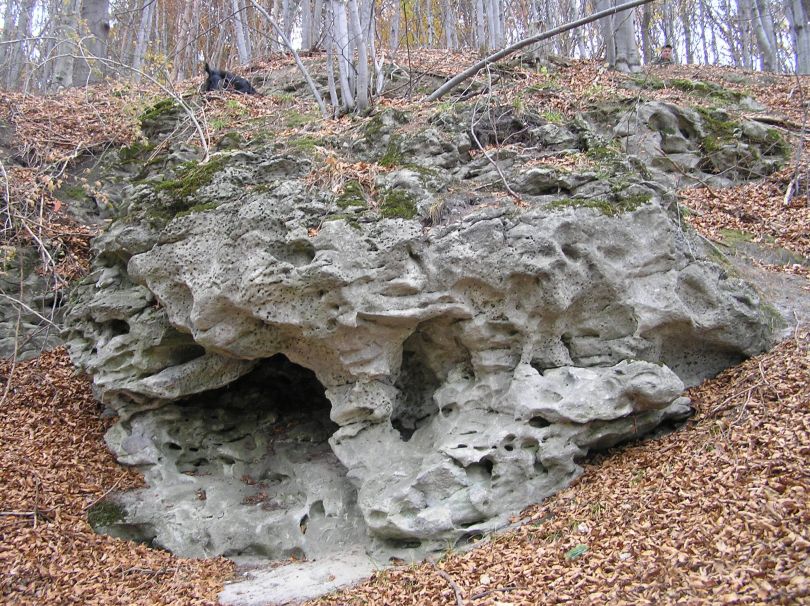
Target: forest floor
718 512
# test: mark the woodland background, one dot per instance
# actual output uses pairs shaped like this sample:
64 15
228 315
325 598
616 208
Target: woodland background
47 45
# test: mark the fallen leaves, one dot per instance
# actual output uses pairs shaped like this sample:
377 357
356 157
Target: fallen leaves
755 209
719 515
53 467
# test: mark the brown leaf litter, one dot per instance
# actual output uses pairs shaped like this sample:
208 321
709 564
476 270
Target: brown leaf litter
54 466
717 513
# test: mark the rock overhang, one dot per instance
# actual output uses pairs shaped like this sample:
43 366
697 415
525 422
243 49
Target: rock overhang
468 366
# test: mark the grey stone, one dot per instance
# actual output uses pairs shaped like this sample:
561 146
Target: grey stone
294 377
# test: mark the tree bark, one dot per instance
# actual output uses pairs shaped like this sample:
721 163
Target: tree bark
798 13
361 85
142 41
241 31
766 38
95 16
66 33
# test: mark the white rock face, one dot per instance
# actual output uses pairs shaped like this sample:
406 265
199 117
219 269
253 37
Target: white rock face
460 371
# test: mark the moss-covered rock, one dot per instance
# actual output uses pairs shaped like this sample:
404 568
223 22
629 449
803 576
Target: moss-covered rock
397 204
105 513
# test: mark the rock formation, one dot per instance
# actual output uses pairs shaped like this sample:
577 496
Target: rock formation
296 371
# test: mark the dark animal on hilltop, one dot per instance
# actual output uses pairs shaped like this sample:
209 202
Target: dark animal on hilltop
219 79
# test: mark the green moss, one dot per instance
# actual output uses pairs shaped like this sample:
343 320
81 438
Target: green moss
397 203
776 144
602 152
772 316
552 116
191 177
72 192
294 118
720 130
230 140
376 125
607 207
134 151
305 144
163 107
732 237
105 513
648 82
705 89
353 195
393 155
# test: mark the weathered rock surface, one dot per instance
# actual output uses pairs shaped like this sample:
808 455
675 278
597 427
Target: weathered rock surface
296 375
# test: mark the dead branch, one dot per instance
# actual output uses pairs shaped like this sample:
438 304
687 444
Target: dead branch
470 72
453 584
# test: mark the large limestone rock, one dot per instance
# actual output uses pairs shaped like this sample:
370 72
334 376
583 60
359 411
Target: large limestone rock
294 376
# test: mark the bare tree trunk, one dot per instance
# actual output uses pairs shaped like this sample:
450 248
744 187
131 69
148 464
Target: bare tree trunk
744 21
766 38
96 17
66 31
449 25
703 40
798 13
306 25
491 24
481 42
340 39
15 53
240 30
686 21
142 41
330 75
647 50
395 26
361 84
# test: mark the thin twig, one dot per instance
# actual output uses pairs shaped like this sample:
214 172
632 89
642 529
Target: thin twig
453 584
484 594
473 123
113 487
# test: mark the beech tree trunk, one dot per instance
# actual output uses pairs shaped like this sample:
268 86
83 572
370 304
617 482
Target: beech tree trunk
798 13
241 31
95 32
66 34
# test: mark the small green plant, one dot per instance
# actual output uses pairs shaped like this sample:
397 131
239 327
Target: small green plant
576 552
552 116
219 123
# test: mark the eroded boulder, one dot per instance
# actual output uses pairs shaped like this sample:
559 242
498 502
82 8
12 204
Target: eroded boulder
403 365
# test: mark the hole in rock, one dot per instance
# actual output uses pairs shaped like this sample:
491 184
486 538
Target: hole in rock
416 383
481 471
468 538
118 327
539 422
258 450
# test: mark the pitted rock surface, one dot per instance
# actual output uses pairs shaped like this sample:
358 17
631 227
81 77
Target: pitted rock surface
293 379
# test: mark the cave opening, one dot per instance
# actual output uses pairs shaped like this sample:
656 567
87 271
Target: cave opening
247 470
